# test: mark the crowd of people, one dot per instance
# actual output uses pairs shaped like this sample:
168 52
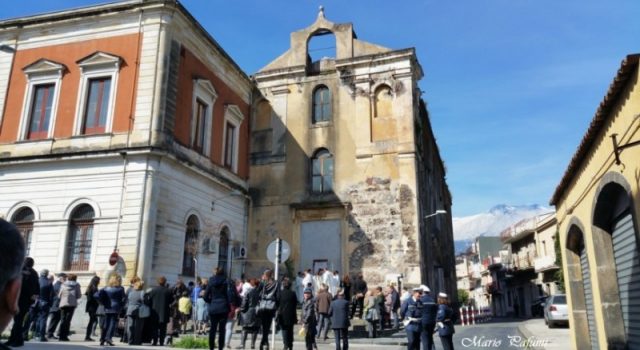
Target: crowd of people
46 303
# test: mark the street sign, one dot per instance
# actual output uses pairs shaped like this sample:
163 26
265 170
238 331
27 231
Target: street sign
285 251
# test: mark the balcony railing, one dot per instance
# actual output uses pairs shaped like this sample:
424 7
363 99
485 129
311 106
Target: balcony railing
544 263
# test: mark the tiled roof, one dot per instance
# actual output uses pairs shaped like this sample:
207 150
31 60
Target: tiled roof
627 67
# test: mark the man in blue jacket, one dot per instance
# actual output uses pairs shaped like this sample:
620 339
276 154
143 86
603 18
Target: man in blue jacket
411 313
429 312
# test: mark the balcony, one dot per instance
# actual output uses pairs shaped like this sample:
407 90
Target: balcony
545 263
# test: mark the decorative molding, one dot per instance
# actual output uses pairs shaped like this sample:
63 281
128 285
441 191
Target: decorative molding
98 60
44 67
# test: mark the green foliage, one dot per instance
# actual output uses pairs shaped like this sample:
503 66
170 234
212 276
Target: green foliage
463 296
559 274
191 343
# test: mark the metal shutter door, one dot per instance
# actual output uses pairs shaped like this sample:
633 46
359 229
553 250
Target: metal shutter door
625 252
588 298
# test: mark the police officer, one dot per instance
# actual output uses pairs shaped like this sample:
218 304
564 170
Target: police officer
411 313
429 312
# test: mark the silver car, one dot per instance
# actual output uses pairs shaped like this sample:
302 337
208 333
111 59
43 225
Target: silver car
556 311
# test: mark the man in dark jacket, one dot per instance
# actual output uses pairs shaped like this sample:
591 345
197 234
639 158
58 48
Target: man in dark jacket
287 316
429 312
28 295
160 297
411 313
45 300
55 306
339 313
11 264
219 294
359 290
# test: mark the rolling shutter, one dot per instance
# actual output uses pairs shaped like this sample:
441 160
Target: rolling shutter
588 298
625 251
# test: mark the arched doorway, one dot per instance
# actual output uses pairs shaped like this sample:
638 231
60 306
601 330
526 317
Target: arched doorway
613 222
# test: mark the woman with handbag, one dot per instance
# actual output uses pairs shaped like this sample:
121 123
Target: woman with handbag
92 306
267 306
137 312
220 294
371 313
112 297
250 322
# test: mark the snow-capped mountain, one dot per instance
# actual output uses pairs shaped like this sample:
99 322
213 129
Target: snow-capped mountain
491 223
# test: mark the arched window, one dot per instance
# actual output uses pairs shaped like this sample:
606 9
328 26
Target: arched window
223 255
23 219
384 99
321 104
190 246
322 172
79 239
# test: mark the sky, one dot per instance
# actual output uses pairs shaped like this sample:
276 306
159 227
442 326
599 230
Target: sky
511 85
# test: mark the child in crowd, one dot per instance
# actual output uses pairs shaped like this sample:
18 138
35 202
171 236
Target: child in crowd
184 307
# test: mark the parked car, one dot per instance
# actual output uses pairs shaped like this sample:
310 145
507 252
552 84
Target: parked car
537 307
556 311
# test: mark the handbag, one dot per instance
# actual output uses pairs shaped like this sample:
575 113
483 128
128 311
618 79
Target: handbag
266 305
303 331
144 311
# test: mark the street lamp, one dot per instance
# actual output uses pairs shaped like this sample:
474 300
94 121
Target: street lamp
438 212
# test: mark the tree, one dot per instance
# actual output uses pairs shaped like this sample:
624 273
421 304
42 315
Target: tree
559 274
463 296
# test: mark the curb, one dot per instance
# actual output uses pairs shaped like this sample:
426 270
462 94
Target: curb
522 328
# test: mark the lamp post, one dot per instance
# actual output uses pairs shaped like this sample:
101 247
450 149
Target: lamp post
438 212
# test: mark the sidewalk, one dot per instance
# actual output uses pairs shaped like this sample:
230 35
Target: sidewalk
543 337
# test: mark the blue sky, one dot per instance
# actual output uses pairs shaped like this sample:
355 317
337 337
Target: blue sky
511 85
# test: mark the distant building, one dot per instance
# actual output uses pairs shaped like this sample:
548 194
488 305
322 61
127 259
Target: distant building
598 212
124 127
530 263
344 164
474 270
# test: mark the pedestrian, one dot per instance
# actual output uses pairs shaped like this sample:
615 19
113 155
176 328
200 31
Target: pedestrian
177 291
54 311
395 306
307 281
28 295
429 312
70 293
45 300
160 298
136 312
231 319
345 284
372 313
445 320
11 263
359 290
339 313
309 319
323 302
220 293
91 306
184 307
112 297
267 305
380 305
200 313
250 321
299 286
287 316
411 313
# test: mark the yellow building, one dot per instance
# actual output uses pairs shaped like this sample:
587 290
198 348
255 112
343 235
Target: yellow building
598 211
344 164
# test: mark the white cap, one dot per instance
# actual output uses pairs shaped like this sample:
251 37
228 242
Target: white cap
417 289
425 289
442 295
